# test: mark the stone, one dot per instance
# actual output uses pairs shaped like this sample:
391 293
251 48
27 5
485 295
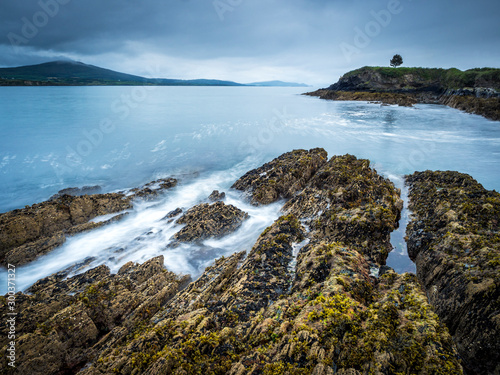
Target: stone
266 311
281 178
27 233
216 196
417 85
453 239
209 221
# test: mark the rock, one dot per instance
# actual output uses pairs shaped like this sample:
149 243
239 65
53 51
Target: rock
173 214
27 233
153 189
346 200
418 85
488 107
326 315
75 191
209 220
271 311
454 240
216 196
72 320
384 98
282 177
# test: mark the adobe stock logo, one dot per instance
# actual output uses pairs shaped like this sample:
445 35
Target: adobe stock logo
223 6
31 26
372 29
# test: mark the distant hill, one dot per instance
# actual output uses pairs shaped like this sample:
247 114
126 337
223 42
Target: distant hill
77 73
67 72
277 84
74 73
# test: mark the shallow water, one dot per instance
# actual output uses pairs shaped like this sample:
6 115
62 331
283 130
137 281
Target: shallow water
121 137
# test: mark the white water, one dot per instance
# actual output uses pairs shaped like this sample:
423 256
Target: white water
145 233
48 142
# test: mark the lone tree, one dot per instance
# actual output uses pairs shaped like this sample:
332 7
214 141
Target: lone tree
396 61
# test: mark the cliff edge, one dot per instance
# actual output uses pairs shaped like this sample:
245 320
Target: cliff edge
474 91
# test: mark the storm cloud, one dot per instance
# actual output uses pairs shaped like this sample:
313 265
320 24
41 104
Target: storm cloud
250 40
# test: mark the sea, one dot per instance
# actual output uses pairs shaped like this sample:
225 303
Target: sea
118 138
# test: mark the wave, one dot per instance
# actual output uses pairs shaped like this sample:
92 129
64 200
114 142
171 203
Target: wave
145 233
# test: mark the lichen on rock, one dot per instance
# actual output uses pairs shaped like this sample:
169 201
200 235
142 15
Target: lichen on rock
35 230
209 220
282 177
303 300
454 240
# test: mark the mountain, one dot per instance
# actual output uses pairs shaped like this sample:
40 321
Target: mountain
77 73
67 72
277 84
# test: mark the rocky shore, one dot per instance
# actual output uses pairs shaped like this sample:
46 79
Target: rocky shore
35 230
454 240
312 296
476 93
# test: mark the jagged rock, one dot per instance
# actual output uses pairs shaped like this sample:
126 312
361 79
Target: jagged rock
326 315
302 301
64 324
75 191
385 98
454 240
282 177
216 196
418 85
32 231
488 107
209 220
174 213
153 189
29 232
347 200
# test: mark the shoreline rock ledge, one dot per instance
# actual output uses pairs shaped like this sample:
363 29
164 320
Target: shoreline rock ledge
454 239
473 91
312 296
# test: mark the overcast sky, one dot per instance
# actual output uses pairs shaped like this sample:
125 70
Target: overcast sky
310 41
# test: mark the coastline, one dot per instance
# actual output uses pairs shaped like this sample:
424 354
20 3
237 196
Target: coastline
252 310
417 85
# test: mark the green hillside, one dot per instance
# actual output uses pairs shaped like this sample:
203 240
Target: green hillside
77 73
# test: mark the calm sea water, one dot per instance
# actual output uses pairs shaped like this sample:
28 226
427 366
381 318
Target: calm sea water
120 137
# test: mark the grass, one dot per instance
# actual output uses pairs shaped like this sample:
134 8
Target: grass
452 78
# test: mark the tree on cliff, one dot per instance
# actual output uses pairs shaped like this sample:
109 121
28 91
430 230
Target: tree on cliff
396 61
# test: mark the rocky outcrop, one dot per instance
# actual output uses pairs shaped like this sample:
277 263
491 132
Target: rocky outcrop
29 232
454 239
209 220
65 323
310 297
35 230
282 177
373 80
405 100
216 196
484 106
474 91
298 303
154 188
76 191
348 201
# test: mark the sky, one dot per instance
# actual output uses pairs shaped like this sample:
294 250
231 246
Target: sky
307 41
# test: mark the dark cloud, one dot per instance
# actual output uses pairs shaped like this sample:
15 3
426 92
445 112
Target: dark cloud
237 39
